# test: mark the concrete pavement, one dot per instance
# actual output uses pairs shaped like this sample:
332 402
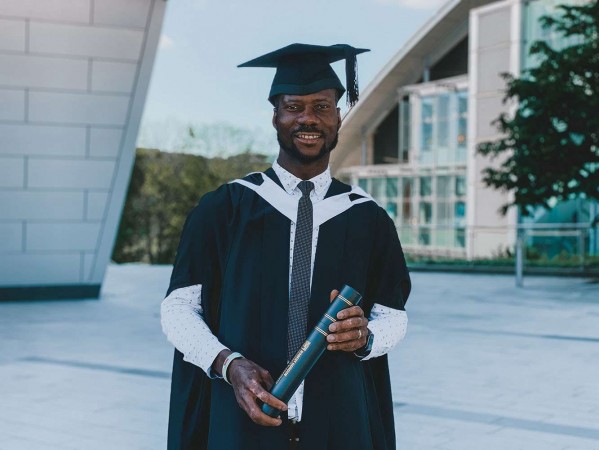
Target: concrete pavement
484 366
488 366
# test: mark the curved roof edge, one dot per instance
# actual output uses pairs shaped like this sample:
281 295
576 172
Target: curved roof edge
404 68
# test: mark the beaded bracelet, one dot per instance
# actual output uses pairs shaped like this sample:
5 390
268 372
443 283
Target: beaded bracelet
228 360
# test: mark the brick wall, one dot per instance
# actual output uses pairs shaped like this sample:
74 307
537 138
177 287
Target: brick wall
73 80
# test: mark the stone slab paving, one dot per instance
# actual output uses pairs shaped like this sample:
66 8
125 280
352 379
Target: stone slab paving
487 366
484 366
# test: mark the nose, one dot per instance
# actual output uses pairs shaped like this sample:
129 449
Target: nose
308 117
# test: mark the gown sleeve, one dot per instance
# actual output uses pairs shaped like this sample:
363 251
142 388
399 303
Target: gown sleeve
200 257
390 281
202 243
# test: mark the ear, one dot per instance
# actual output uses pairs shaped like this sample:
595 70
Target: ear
339 119
274 118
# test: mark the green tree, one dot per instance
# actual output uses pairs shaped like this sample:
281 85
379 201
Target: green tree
550 145
129 232
164 187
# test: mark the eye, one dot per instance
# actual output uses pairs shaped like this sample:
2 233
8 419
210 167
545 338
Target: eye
323 106
292 107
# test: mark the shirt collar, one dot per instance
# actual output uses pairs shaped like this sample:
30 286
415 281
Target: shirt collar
290 181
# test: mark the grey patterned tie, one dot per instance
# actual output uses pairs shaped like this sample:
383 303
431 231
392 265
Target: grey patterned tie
299 297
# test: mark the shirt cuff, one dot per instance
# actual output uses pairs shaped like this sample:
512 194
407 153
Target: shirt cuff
388 327
213 354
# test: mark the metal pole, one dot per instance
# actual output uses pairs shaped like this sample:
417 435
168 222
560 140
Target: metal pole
519 259
581 249
593 213
519 245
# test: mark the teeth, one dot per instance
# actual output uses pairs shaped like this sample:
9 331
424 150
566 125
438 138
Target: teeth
308 136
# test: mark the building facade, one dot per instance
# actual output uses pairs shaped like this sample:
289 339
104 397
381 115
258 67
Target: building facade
411 140
73 80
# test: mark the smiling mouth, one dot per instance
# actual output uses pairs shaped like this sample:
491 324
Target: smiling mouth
308 136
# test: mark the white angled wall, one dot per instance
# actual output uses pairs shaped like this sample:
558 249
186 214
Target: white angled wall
73 80
495 45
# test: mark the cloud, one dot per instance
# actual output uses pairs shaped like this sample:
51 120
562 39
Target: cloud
414 4
165 42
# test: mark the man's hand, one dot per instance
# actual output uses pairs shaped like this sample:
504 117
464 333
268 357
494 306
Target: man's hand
350 332
251 383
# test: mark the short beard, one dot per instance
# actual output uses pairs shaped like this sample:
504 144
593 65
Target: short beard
294 152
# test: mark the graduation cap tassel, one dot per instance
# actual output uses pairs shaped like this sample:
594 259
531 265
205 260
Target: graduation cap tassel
351 73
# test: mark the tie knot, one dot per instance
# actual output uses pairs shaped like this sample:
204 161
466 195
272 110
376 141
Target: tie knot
306 187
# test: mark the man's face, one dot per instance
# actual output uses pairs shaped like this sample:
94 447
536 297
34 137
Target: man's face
307 125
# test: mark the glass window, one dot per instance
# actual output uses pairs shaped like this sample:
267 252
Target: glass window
427 129
391 189
424 236
406 213
444 237
443 186
406 189
460 213
460 238
533 30
426 187
460 186
391 209
443 121
406 235
406 200
405 129
426 212
444 127
462 127
363 183
377 188
444 211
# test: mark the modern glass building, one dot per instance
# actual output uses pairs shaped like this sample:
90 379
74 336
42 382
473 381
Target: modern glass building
411 140
425 190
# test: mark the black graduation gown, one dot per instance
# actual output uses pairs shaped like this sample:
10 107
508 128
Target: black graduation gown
236 245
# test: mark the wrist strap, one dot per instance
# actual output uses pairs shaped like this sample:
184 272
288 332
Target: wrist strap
228 360
364 351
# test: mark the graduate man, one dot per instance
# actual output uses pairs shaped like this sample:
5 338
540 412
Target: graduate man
258 262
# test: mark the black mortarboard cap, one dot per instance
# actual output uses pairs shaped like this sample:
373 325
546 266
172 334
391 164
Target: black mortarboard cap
304 69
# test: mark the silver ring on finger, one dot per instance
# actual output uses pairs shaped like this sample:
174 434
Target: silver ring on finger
359 334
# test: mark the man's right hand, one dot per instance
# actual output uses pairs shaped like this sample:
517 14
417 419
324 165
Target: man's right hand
251 383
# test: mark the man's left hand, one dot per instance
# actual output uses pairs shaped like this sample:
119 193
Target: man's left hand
350 332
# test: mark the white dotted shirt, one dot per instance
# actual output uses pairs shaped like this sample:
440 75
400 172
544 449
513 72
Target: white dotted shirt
184 326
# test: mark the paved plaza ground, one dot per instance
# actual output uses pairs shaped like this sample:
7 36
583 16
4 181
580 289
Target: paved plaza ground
485 366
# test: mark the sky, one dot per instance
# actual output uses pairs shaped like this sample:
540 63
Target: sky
195 79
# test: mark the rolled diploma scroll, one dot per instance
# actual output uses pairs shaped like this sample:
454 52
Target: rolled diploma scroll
311 350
